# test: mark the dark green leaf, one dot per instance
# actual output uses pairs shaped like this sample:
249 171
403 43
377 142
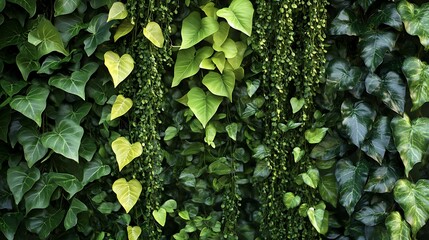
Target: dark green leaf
417 74
71 217
47 38
9 223
220 167
374 46
87 148
40 195
63 7
30 139
73 112
328 189
20 180
44 221
67 181
372 215
94 170
378 139
329 148
346 23
357 119
383 178
27 60
98 91
28 5
365 4
99 29
341 75
261 152
262 170
4 123
12 34
69 26
12 86
388 15
33 104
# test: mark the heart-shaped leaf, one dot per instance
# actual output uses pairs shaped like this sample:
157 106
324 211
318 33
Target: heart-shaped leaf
220 167
118 11
347 22
331 147
417 74
30 139
120 106
232 130
372 215
319 219
188 63
123 29
315 135
160 216
221 35
119 67
63 7
239 15
169 205
64 139
341 75
195 29
238 59
414 200
125 151
153 32
69 26
207 64
44 222
387 15
219 60
229 48
29 5
40 194
75 112
383 178
33 104
127 192
416 20
203 105
298 153
94 170
351 180
46 38
311 177
27 59
100 32
220 85
75 84
68 182
411 139
290 200
378 139
357 119
20 180
209 9
328 189
374 46
76 207
133 232
398 229
296 104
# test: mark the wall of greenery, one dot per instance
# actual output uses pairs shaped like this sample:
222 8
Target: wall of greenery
214 119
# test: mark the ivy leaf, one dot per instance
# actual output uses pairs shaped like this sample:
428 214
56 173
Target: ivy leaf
239 15
328 189
341 75
219 60
74 112
119 67
315 135
69 25
357 119
411 139
417 74
329 148
160 216
351 180
76 207
20 180
133 233
30 139
9 223
378 139
68 182
390 89
14 34
27 60
120 106
414 200
290 200
87 148
63 7
4 123
75 84
372 215
123 29
33 104
210 135
346 23
40 195
416 20
365 4
388 15
11 86
221 35
311 177
188 63
117 11
46 38
153 32
44 222
220 167
209 9
319 218
383 178
220 85
64 139
99 33
28 5
374 46
203 105
127 192
195 29
94 170
52 63
298 153
398 229
296 104
125 151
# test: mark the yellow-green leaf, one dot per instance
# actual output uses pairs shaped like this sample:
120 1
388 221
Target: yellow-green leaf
125 151
120 106
119 67
160 216
127 192
123 29
117 11
153 32
133 232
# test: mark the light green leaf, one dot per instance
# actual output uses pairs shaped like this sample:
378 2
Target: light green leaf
417 74
153 32
117 11
76 207
203 105
296 104
123 29
315 135
75 84
328 189
374 46
219 60
119 67
398 229
120 106
221 35
210 135
44 222
133 233
127 192
378 139
63 7
30 139
290 200
229 48
188 63
416 20
239 15
411 139
372 215
184 215
319 219
40 195
170 133
298 153
220 85
341 75
311 177
207 64
160 216
169 205
232 130
383 178
64 139
125 151
195 29
28 5
46 38
220 167
20 180
357 120
209 9
33 104
414 200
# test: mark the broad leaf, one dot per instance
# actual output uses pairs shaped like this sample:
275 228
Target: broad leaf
378 139
125 151
229 48
372 215
63 7
219 60
329 148
99 29
87 148
40 195
76 112
346 22
9 223
365 4
387 15
69 25
188 63
127 192
11 86
64 139
374 46
30 139
123 29
296 104
319 218
328 189
44 222
311 177
411 139
232 130
416 20
398 229
195 29
341 75
209 9
153 32
357 119
220 167
351 180
94 170
20 180
120 106
315 135
290 200
47 38
210 135
13 34
133 233
298 153
76 207
68 182
27 60
117 11
220 85
119 67
170 133
417 74
75 84
28 5
239 15
383 178
52 63
221 35
33 104
203 105
160 216
414 200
